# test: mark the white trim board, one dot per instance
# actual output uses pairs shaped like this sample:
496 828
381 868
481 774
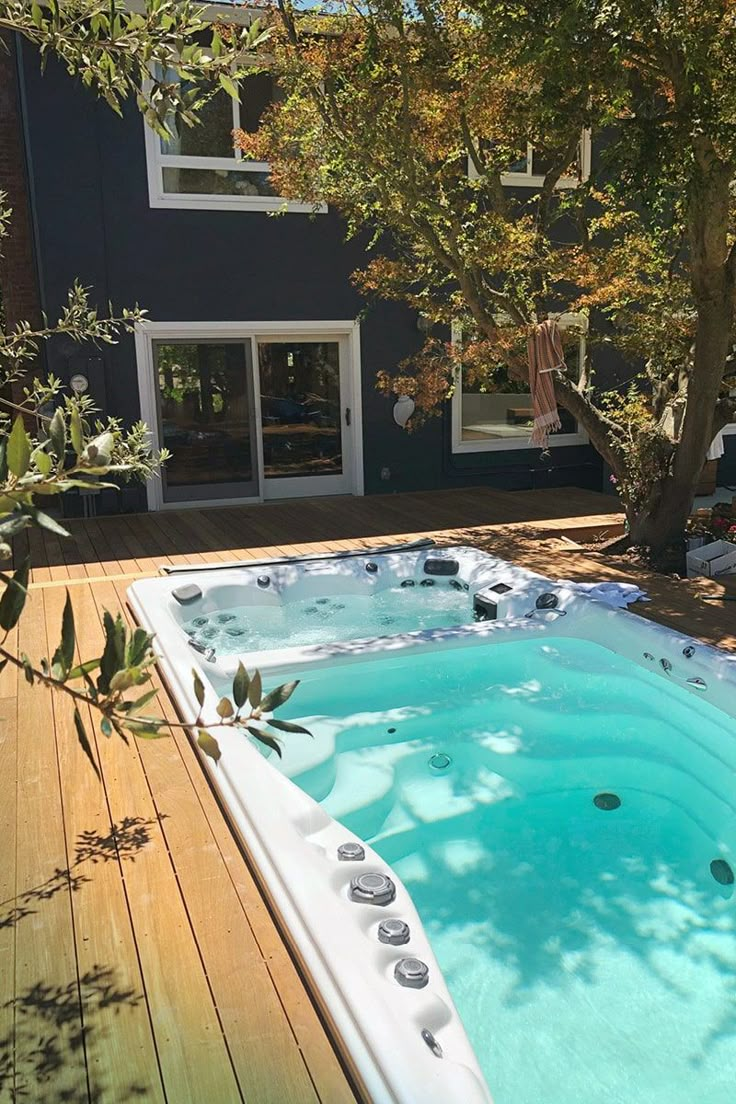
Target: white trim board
148 331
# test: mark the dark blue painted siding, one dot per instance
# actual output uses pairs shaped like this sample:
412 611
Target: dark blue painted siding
90 197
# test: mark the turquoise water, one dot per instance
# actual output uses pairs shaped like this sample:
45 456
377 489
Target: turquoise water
326 620
591 953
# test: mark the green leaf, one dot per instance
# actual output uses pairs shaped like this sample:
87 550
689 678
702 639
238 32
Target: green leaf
18 449
121 680
241 683
278 696
99 450
83 669
198 688
225 708
57 433
288 726
255 690
27 668
113 656
138 646
229 85
45 521
76 430
264 738
146 728
14 596
42 460
134 706
64 654
106 726
209 745
84 741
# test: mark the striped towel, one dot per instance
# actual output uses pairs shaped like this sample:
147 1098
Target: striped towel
544 349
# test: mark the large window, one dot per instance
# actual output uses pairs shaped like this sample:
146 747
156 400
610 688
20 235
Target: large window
198 166
501 419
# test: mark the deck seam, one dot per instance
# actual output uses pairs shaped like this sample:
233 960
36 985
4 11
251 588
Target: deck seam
161 819
54 715
121 871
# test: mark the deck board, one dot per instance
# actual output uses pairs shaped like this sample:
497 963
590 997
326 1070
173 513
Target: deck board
140 959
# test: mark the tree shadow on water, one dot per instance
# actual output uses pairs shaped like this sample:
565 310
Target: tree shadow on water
568 904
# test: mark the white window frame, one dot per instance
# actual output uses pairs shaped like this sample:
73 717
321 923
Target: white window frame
147 332
157 161
528 179
513 444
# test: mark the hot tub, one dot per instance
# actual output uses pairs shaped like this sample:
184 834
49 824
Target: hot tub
506 856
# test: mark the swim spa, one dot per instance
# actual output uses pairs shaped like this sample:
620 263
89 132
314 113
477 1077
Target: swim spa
550 798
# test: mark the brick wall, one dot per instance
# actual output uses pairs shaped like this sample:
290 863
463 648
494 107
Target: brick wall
18 277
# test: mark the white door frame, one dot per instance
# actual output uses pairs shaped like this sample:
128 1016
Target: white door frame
147 332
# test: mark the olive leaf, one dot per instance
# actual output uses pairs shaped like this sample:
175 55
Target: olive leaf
57 433
278 696
255 690
288 726
76 431
225 708
209 745
264 738
14 596
241 682
84 740
198 688
18 448
64 654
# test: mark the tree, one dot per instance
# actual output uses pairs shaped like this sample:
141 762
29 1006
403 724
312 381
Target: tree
173 62
405 116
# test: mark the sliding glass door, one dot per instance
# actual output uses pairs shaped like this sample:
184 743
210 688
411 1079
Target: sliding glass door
305 416
206 419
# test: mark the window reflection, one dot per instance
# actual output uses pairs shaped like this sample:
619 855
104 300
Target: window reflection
205 413
300 408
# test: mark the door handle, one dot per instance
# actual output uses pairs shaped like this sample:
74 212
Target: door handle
347 415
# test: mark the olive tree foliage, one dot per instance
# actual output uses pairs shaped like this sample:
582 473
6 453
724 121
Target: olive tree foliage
405 115
51 442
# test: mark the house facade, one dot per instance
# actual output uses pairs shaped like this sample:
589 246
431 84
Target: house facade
257 364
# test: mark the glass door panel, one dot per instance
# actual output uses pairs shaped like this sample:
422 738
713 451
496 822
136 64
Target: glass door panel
303 417
205 398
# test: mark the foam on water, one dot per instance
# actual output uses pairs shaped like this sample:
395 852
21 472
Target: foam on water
325 620
589 949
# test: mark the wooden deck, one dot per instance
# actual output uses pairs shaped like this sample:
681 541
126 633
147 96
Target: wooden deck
139 960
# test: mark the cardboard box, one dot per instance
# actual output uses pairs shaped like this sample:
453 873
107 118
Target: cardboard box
718 558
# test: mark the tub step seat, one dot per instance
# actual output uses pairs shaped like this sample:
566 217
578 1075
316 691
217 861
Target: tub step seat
362 796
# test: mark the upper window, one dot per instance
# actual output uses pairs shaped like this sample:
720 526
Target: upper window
530 168
199 167
502 419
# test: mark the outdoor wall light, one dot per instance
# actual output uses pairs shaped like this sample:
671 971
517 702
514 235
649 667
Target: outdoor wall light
403 409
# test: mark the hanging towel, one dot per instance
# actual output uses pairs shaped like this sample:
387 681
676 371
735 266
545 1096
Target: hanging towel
544 349
717 448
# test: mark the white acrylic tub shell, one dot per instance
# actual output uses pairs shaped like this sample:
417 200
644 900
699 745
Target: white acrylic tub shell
293 842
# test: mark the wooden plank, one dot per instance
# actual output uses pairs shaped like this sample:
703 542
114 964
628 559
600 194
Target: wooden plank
194 1058
101 549
8 901
121 1056
50 1053
269 1064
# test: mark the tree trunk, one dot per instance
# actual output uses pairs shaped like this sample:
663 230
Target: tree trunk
662 524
